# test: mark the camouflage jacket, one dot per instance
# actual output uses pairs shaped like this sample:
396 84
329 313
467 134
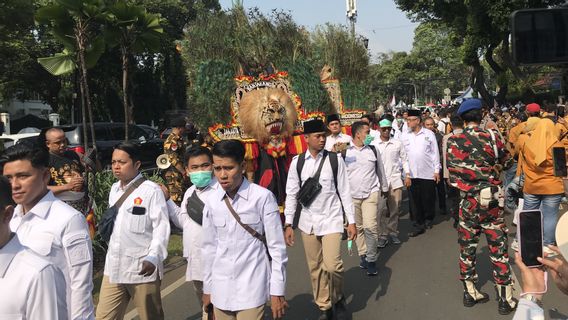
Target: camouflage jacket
174 147
471 169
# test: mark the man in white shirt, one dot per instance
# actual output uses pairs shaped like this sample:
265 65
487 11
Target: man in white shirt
368 119
337 141
424 161
189 217
31 287
395 162
367 180
444 122
138 244
50 227
321 222
238 277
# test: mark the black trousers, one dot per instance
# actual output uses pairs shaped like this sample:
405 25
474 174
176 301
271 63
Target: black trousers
441 191
422 200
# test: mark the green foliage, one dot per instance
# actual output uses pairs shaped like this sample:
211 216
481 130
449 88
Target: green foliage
306 83
211 92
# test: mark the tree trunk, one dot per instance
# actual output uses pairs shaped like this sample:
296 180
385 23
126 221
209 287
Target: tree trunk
84 86
478 83
500 74
124 52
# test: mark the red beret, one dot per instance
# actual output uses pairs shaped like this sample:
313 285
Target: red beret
533 107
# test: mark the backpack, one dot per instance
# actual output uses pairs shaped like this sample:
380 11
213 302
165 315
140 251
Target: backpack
447 127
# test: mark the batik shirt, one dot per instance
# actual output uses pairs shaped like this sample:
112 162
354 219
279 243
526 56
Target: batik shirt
62 169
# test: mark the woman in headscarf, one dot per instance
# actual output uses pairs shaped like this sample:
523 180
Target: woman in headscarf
542 189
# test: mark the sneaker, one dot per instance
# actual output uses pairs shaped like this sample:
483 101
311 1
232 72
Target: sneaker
515 245
383 241
364 264
372 269
340 310
428 224
416 232
395 239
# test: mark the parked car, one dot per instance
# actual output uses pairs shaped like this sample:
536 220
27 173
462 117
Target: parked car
152 133
9 140
108 135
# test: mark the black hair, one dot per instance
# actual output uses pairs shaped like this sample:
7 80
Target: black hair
522 116
368 117
357 126
38 156
456 121
5 193
229 149
197 151
472 116
130 148
389 117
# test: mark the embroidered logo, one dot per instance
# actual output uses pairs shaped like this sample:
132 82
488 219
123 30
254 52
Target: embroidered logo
138 201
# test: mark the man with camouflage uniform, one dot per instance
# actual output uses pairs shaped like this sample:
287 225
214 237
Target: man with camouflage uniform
174 147
475 158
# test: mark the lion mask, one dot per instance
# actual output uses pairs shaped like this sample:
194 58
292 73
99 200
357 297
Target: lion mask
267 112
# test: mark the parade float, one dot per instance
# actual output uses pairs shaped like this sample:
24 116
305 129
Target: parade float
267 116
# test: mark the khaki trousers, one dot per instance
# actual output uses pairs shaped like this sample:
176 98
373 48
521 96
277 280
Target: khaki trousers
323 255
367 228
114 298
248 314
391 208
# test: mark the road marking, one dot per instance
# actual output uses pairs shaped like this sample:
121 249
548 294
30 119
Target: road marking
169 289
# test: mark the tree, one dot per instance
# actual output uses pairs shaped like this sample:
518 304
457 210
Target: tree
481 30
134 31
73 24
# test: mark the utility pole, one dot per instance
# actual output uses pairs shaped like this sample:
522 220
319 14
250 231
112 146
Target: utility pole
351 6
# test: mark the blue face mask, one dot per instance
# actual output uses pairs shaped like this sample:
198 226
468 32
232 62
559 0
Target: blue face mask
200 178
368 139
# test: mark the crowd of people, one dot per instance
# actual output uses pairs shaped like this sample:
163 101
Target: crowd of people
469 162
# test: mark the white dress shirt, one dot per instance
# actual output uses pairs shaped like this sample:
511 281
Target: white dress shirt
366 173
60 234
331 140
423 155
236 270
192 231
324 215
137 237
32 288
394 159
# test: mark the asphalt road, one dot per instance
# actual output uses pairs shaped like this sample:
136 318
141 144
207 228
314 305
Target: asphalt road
417 280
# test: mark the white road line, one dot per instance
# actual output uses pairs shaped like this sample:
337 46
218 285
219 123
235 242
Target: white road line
169 289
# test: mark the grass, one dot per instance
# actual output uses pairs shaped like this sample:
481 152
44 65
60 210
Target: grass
175 250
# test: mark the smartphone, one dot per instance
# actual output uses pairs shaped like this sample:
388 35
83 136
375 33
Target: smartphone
530 237
559 161
560 112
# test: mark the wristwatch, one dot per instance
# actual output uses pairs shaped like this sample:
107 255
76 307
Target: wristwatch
533 298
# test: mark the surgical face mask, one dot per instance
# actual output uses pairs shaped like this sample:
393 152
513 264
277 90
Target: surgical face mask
200 178
368 139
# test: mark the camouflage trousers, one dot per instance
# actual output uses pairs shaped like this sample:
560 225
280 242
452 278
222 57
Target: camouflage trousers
176 185
473 221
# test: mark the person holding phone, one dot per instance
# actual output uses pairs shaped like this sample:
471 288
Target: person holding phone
542 189
474 160
533 283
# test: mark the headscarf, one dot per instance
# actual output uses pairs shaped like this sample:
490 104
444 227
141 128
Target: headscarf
545 135
531 124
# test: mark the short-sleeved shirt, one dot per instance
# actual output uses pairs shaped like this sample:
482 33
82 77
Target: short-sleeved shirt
62 169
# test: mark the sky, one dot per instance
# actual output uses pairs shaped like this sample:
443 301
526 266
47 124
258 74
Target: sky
386 27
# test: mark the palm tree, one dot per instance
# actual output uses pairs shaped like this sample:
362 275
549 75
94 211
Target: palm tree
135 31
74 24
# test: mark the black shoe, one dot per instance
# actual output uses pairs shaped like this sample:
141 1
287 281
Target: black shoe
505 308
416 232
372 269
326 315
469 301
428 224
363 264
340 310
